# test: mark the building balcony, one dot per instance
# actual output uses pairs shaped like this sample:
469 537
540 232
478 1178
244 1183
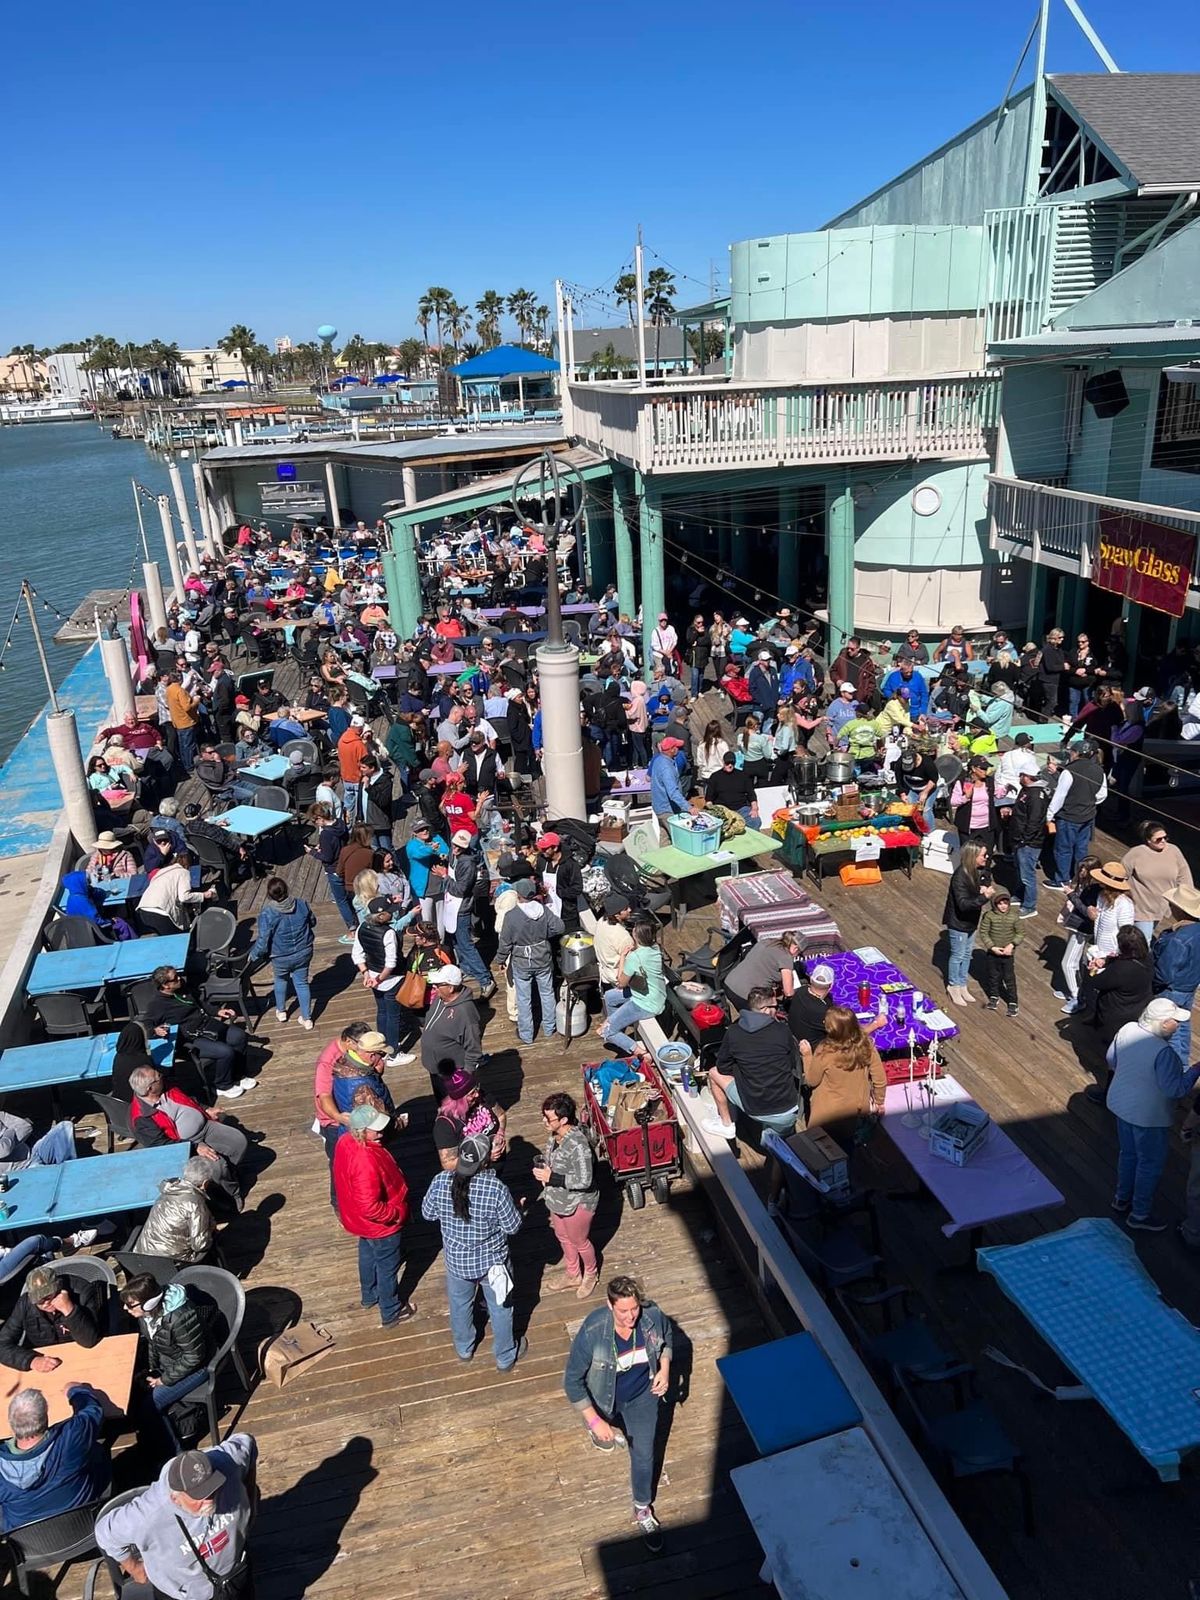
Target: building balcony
718 424
1060 528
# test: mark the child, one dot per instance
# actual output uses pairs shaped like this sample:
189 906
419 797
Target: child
1000 934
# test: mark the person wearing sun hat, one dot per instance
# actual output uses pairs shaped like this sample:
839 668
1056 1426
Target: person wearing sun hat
1176 955
109 859
1114 909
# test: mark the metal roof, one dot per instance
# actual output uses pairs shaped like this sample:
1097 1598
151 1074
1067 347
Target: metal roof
590 341
505 361
488 490
1140 343
481 441
1149 121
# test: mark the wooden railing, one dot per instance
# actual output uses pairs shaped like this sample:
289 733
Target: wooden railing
747 425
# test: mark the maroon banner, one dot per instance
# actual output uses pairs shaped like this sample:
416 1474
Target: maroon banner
1145 561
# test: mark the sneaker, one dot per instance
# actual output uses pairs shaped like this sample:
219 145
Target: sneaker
83 1237
606 1445
399 1058
1071 1007
1096 1095
406 1313
773 1210
1059 994
1059 888
587 1285
1025 915
993 1003
281 1016
487 991
1014 1009
1149 1224
248 1083
522 1346
235 1092
306 1023
651 1529
719 1130
347 938
1118 1205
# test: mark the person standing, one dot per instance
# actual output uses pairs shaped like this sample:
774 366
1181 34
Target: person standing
568 1178
184 712
450 1035
462 882
697 652
667 798
478 1217
372 1202
351 748
1027 835
376 954
617 1372
1079 793
1000 934
967 896
286 927
1148 1079
1156 868
1176 954
526 950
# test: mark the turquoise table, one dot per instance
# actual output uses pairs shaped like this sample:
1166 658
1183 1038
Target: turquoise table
93 1186
251 822
45 1066
64 971
267 769
788 1393
677 866
114 891
1099 1310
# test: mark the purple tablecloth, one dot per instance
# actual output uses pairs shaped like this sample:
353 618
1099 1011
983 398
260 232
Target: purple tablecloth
849 968
997 1181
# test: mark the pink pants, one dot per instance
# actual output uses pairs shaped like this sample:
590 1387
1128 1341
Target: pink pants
579 1254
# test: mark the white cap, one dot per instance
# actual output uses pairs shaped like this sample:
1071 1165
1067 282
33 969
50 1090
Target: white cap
451 975
1164 1010
462 838
842 688
1144 696
792 650
357 721
765 655
821 977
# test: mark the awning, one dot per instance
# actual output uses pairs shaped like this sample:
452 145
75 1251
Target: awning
1167 342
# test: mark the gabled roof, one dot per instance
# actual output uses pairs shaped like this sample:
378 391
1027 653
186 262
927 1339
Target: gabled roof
1148 121
505 361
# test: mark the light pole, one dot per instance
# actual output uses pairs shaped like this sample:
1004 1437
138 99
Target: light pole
557 660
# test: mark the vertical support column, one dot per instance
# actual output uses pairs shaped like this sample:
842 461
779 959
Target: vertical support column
839 542
335 516
155 603
207 529
787 579
1035 616
653 581
63 739
409 475
1133 628
164 513
404 582
185 516
115 658
623 548
1077 609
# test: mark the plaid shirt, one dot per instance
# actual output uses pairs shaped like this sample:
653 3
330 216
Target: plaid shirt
472 1247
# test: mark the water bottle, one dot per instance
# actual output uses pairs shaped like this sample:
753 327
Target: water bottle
685 1078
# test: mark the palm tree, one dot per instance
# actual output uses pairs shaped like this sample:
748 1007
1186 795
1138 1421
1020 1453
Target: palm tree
434 303
379 357
603 362
660 286
355 354
240 342
542 318
410 353
458 320
521 304
104 356
490 307
625 294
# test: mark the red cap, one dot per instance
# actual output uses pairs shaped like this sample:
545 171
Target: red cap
549 841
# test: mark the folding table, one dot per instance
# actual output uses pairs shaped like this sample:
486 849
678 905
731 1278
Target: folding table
85 1060
266 769
66 971
91 1186
251 822
788 1393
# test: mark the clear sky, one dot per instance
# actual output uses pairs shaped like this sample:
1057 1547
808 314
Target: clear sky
175 169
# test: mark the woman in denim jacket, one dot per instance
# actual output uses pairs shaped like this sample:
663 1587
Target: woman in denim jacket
618 1371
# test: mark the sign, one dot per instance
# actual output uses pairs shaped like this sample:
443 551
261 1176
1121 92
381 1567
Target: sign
299 499
285 471
1145 561
868 848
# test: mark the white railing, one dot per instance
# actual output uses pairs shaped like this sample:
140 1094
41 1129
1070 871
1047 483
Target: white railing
748 425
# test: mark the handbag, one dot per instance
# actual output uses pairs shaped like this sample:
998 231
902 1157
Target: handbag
412 990
638 983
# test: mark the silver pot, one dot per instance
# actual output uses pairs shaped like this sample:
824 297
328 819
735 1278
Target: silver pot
839 769
576 954
695 994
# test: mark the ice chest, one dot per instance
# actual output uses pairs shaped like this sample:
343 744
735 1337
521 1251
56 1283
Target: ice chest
957 1133
694 841
939 850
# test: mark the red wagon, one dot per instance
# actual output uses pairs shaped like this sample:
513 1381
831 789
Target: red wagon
646 1156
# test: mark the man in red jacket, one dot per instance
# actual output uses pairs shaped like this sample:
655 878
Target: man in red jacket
372 1201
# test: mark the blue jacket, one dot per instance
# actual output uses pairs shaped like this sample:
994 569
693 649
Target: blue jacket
792 673
285 931
1177 959
79 902
666 795
421 857
918 691
590 1378
69 1467
764 688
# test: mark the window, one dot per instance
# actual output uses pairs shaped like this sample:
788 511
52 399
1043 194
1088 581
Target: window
1177 426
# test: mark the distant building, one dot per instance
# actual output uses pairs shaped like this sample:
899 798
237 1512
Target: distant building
613 352
22 377
66 376
208 368
283 345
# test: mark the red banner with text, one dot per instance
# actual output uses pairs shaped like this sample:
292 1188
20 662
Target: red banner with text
1146 561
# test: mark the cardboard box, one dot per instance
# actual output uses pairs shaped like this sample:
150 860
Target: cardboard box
822 1158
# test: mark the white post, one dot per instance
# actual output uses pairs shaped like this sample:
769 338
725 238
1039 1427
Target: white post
410 485
68 769
185 516
335 520
203 507
115 657
562 733
164 512
239 437
155 603
641 309
137 506
564 367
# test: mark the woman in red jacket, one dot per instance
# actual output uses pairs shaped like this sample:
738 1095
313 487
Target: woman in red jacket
372 1201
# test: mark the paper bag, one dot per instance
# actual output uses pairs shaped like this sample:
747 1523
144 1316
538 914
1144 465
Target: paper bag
293 1351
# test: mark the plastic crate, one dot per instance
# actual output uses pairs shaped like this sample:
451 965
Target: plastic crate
694 841
957 1133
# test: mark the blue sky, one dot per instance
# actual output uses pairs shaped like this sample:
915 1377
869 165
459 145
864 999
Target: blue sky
284 165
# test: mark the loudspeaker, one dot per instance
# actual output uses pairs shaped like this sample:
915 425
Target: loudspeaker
1106 394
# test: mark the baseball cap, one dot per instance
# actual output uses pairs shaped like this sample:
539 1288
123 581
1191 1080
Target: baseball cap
845 688
792 650
670 743
357 721
43 1283
615 903
421 826
193 1473
461 837
1144 696
368 1116
425 774
371 1043
241 700
821 976
378 904
765 655
448 974
1022 739
549 841
1160 1010
473 1153
524 888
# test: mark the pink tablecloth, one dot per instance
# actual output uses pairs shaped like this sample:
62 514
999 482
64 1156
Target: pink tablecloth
998 1181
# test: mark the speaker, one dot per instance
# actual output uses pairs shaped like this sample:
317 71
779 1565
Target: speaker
1106 394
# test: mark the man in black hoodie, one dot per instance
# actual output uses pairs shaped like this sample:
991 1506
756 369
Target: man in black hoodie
1027 835
758 1072
54 1308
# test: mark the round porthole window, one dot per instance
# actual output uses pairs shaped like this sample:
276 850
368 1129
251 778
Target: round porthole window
926 500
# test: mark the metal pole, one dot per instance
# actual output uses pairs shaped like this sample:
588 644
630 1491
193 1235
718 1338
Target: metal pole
641 305
1037 110
137 506
41 648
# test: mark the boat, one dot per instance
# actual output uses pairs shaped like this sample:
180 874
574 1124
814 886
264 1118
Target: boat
55 410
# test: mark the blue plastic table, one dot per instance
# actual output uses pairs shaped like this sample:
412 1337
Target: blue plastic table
63 971
43 1066
1096 1306
114 891
251 822
267 769
787 1393
91 1187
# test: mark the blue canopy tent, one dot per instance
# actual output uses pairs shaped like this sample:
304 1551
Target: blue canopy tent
484 377
235 383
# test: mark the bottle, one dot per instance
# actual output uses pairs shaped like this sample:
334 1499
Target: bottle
864 994
685 1078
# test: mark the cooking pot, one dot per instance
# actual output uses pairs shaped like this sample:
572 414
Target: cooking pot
806 775
839 769
695 994
577 953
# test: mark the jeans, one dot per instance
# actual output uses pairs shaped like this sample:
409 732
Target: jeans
378 1269
465 953
54 1147
619 1011
959 967
1146 928
1027 861
639 1422
222 1054
461 1294
1076 944
1181 1039
639 748
1141 1157
524 982
26 1254
914 797
387 1015
187 748
337 893
579 1253
295 968
1074 702
1070 846
350 802
697 680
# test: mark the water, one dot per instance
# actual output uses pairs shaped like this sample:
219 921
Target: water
68 525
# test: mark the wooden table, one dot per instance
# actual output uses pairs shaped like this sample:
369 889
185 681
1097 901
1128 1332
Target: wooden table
677 866
90 1186
66 971
834 1525
107 1366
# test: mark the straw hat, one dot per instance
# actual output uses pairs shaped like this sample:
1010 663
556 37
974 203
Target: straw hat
108 841
1187 900
1112 875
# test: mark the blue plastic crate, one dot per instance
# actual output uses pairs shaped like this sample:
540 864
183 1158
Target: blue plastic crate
694 841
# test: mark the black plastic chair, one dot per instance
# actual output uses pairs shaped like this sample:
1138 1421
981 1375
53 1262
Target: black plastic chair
132 1264
93 1268
118 1117
213 932
306 747
892 1336
229 1299
106 1563
66 1016
272 797
702 961
304 794
210 853
73 932
53 1543
139 996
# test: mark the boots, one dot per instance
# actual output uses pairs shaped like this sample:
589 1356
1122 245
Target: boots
956 993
